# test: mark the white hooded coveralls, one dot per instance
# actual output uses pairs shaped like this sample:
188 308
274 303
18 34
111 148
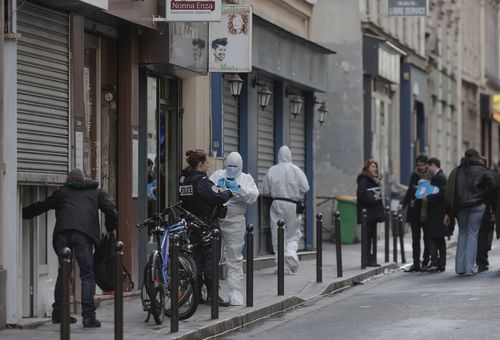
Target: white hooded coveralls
233 226
286 180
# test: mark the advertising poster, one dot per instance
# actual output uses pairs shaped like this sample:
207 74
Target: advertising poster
230 40
193 10
189 45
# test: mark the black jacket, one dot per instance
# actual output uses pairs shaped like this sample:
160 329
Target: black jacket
414 206
77 207
200 196
369 198
436 208
470 184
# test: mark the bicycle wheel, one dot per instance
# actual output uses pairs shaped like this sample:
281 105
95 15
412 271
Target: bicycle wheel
155 292
146 303
188 293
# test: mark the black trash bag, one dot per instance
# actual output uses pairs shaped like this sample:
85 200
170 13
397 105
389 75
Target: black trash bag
104 264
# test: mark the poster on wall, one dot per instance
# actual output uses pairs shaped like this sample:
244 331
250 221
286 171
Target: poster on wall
193 10
189 45
230 40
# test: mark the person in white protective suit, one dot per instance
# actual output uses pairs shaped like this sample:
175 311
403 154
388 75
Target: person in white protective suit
233 226
286 183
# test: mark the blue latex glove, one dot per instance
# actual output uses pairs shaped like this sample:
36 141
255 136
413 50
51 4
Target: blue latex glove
222 183
233 186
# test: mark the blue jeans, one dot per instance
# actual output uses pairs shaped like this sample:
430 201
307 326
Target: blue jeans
82 248
469 223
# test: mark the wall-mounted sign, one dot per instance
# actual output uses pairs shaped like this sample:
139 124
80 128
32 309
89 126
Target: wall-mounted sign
189 45
496 108
103 4
230 40
193 10
410 8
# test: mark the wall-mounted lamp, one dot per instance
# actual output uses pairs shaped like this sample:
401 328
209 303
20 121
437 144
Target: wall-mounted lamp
263 94
296 102
296 105
323 113
235 84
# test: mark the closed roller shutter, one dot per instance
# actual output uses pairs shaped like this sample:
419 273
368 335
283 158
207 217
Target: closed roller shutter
43 90
298 140
231 122
265 135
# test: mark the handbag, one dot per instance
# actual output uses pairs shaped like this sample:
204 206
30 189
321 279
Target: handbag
105 262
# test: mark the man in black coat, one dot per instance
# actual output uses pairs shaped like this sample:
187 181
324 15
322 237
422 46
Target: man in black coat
434 228
77 206
414 214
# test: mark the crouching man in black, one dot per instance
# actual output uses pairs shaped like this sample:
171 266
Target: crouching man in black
77 206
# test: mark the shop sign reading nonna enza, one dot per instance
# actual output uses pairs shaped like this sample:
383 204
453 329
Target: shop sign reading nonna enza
193 10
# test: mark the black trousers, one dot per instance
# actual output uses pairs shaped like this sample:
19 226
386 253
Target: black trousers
437 249
203 260
484 240
416 234
371 243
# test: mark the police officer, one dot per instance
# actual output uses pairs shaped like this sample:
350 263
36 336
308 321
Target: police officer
203 198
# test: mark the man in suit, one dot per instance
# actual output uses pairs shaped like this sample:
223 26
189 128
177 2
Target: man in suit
434 228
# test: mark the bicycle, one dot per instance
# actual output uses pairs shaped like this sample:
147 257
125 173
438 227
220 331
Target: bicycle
155 290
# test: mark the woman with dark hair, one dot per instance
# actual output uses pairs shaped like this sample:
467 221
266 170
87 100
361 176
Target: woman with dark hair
370 198
203 198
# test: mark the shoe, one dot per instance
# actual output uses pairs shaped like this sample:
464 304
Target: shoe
414 268
222 303
372 265
482 268
58 320
441 269
433 268
94 323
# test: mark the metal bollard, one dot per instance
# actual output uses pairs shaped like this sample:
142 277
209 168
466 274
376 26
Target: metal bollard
395 236
319 247
119 291
338 244
215 274
364 240
281 257
174 283
401 237
250 265
65 260
387 231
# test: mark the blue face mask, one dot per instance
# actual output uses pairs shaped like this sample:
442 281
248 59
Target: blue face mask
232 171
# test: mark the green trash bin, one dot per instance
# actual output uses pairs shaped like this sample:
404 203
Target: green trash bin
348 218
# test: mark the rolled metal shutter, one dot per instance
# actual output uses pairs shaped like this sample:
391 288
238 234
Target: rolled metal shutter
298 140
266 141
43 91
231 122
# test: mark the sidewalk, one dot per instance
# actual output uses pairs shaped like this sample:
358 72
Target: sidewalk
298 289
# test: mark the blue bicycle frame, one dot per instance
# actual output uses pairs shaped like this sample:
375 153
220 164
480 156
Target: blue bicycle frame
178 228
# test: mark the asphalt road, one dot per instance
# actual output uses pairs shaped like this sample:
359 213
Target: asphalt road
397 306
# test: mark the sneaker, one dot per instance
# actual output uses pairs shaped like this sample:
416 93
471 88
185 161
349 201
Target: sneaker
433 268
94 323
372 265
414 268
59 320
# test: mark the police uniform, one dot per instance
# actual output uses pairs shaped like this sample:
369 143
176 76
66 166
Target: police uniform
201 197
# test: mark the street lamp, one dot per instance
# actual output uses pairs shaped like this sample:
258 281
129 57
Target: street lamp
264 96
296 105
235 85
323 113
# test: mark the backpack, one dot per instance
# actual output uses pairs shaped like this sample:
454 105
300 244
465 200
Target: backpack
104 264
